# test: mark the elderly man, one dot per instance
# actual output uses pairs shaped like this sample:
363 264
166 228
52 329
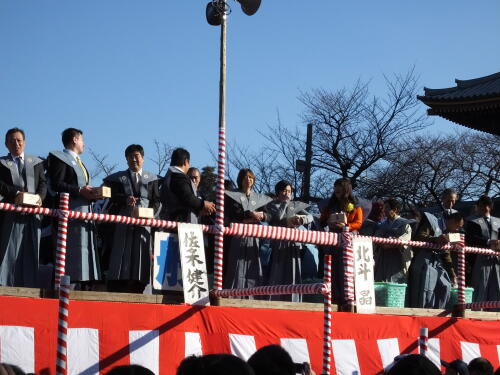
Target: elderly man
130 262
178 193
20 234
68 174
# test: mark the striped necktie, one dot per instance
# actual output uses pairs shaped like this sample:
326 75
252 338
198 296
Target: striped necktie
79 161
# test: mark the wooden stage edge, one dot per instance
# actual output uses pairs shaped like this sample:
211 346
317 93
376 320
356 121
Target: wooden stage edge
177 299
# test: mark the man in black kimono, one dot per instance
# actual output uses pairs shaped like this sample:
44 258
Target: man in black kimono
68 174
20 234
130 261
178 193
482 230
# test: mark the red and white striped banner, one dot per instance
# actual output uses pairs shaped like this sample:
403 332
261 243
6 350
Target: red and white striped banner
105 334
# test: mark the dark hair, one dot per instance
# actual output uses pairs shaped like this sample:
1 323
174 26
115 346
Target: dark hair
16 370
393 204
68 135
134 148
241 175
348 197
12 131
179 157
377 211
272 360
480 366
458 365
447 192
281 185
130 370
414 364
214 364
455 216
486 201
193 169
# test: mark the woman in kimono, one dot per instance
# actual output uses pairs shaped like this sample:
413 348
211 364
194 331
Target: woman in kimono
431 273
342 201
20 233
130 260
286 256
243 267
392 261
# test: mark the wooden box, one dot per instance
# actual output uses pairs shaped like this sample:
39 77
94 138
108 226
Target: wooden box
337 218
453 237
103 191
143 213
27 199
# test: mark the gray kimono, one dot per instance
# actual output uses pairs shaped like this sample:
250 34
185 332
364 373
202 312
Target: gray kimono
486 269
20 233
391 264
131 250
429 284
286 267
82 260
243 268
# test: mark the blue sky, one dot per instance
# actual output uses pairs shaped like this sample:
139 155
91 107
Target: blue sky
130 71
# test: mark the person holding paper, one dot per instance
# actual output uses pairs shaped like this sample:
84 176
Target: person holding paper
68 174
21 176
286 264
130 259
341 211
243 267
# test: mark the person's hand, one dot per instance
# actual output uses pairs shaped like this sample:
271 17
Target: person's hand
336 226
495 245
208 208
132 201
257 215
39 201
88 192
441 240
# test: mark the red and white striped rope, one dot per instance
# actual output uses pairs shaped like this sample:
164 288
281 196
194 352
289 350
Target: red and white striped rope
483 305
62 236
327 315
423 341
62 327
273 290
429 245
461 270
282 233
28 210
219 215
348 260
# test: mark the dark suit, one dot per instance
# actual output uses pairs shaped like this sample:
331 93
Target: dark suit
65 175
20 234
179 199
486 269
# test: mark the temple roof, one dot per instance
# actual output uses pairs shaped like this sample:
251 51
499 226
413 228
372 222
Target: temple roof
474 103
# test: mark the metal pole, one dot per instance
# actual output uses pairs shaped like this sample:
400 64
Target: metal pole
219 236
306 194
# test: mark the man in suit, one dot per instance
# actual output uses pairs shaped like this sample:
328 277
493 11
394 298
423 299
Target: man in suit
482 230
20 234
178 193
130 260
68 174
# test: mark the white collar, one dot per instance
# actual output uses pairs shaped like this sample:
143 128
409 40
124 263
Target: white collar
179 168
72 153
139 172
19 156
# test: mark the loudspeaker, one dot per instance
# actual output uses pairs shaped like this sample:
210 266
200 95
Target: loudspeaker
214 16
249 7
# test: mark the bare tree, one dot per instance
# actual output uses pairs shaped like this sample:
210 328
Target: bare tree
354 130
162 155
101 166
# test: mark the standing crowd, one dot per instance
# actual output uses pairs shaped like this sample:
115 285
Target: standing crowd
123 253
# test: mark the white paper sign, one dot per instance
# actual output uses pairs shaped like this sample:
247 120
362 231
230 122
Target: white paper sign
363 271
167 274
194 266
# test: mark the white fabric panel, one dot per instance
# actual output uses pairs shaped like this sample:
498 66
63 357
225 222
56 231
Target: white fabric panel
470 351
193 344
388 348
242 346
498 350
297 348
434 353
83 351
145 349
345 357
17 347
